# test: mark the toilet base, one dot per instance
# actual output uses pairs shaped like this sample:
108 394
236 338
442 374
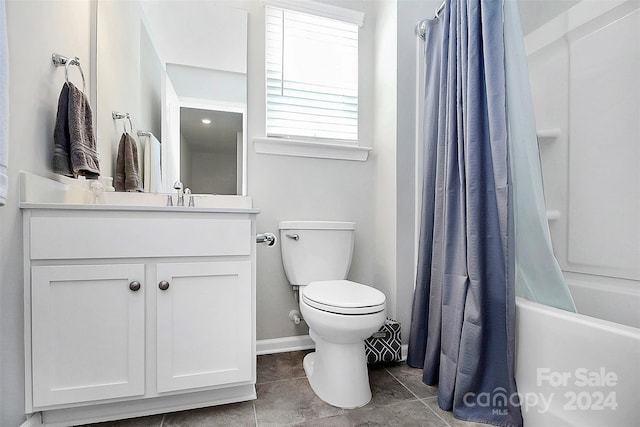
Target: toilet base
338 374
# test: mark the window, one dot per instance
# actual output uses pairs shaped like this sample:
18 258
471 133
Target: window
312 76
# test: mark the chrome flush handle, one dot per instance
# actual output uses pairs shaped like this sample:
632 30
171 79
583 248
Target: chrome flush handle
293 236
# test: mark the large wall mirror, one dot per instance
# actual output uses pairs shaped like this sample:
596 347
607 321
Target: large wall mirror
170 64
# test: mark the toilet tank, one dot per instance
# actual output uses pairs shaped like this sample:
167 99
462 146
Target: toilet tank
316 250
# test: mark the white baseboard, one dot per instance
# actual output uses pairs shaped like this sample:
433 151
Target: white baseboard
281 345
295 343
404 350
33 420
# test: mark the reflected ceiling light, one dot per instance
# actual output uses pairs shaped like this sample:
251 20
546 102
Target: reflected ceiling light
206 121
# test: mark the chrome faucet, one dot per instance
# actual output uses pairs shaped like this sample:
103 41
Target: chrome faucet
178 186
188 195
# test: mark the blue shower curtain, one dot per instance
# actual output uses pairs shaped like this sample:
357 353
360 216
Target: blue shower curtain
462 330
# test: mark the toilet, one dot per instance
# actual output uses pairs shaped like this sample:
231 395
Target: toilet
340 313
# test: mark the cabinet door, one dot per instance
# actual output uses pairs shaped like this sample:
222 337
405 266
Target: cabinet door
204 324
87 332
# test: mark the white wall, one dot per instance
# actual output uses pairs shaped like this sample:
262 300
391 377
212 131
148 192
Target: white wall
36 29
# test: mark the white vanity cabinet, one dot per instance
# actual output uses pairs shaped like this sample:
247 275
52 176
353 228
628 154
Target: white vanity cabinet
131 312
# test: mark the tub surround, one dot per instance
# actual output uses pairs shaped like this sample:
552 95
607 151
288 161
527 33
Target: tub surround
133 309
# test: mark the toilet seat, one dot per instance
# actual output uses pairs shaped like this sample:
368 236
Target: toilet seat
343 297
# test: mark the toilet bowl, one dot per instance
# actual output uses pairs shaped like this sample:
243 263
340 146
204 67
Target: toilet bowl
340 313
339 324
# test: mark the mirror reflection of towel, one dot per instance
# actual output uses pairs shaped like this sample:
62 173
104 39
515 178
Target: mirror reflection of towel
74 152
152 172
127 170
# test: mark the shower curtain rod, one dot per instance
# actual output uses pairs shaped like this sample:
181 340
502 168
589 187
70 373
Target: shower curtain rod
421 28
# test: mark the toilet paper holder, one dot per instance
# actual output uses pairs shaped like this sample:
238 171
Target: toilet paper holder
268 238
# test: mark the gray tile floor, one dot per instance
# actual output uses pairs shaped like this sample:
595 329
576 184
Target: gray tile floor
285 399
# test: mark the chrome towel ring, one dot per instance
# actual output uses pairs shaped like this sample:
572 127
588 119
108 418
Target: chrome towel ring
59 60
115 115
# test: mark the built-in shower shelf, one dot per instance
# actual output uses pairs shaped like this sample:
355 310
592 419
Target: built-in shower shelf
548 135
553 215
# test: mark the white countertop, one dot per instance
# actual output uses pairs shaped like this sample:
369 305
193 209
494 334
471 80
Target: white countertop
106 207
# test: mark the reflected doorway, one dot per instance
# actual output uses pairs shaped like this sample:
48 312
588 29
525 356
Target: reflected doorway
211 150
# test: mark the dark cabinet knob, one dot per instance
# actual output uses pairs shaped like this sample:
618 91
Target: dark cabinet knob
134 286
164 285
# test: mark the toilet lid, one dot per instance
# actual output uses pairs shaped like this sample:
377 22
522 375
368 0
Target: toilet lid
343 297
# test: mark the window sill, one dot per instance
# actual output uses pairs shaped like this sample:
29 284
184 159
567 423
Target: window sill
301 148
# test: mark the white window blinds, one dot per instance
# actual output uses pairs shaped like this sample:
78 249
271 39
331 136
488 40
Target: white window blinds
312 76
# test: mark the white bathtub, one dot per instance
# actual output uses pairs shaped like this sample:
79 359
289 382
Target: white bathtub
578 370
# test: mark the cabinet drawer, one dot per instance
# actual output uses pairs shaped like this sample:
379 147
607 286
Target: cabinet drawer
78 238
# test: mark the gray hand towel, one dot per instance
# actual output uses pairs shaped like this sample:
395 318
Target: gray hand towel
61 138
74 152
84 156
127 171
